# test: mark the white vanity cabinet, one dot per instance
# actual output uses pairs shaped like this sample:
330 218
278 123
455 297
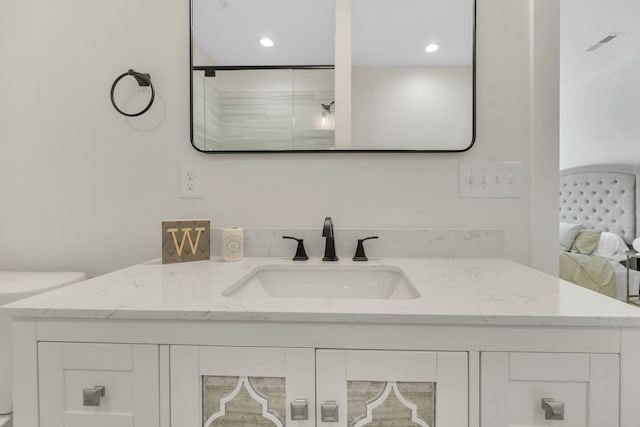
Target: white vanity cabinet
98 385
229 386
483 345
232 386
584 388
213 386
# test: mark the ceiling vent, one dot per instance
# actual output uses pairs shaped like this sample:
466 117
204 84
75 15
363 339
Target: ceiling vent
604 41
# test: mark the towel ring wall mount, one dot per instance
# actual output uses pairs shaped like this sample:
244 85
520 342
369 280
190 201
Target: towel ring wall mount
143 79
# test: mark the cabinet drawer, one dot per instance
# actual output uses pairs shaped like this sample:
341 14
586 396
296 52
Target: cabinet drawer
513 385
69 372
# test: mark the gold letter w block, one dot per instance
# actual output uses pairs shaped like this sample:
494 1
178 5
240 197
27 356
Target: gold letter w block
177 233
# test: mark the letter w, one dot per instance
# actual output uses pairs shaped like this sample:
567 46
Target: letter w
186 235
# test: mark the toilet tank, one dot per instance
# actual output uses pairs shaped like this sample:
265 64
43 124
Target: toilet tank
16 285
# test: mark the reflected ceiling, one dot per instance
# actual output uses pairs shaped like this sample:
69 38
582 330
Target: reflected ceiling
229 31
384 32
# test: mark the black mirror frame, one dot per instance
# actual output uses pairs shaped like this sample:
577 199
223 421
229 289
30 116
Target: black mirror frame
192 68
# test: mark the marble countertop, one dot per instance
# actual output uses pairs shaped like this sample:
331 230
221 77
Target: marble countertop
476 291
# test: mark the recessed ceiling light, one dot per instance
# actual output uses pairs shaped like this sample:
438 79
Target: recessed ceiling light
432 48
266 42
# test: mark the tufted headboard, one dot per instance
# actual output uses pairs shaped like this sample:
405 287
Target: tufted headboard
602 197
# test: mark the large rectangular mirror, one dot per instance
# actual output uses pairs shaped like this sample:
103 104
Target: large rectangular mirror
332 75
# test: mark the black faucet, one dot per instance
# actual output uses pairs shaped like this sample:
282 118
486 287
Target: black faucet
301 254
330 244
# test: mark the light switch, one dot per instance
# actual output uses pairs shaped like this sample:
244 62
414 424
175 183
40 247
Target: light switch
490 179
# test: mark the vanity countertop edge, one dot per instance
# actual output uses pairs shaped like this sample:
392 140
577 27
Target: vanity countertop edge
453 291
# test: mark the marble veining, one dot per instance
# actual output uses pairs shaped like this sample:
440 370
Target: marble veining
405 242
469 291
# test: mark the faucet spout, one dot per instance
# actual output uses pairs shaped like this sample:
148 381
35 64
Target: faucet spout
330 244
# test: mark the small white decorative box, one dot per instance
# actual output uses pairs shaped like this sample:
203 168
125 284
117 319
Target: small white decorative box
232 244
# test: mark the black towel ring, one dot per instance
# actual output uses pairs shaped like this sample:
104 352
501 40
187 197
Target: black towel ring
143 80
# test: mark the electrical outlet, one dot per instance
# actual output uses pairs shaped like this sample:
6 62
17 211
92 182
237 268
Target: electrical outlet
190 182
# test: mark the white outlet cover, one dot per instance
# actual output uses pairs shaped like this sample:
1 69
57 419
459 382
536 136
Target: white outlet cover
190 181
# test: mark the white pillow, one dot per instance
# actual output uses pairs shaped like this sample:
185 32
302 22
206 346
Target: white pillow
568 233
612 247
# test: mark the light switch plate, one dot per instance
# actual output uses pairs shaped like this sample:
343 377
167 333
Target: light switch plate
490 180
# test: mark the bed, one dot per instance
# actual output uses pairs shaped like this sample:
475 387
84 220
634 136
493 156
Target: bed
605 198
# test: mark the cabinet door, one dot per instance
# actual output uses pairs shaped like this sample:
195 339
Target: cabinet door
392 388
241 386
128 373
514 384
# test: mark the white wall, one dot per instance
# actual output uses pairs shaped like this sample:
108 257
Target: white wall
599 90
83 188
412 107
545 113
599 116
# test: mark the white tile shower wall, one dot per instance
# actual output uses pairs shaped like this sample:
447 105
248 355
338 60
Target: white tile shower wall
84 188
272 109
206 113
391 242
198 109
212 113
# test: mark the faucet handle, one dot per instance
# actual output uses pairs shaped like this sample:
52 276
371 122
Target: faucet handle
360 255
301 254
327 228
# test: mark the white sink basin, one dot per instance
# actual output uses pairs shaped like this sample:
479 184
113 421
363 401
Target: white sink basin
324 281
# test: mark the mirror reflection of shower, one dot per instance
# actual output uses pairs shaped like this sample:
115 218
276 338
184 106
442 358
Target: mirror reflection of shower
251 107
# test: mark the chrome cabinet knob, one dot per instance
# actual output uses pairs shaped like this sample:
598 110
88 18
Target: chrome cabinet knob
300 410
329 411
92 396
552 410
